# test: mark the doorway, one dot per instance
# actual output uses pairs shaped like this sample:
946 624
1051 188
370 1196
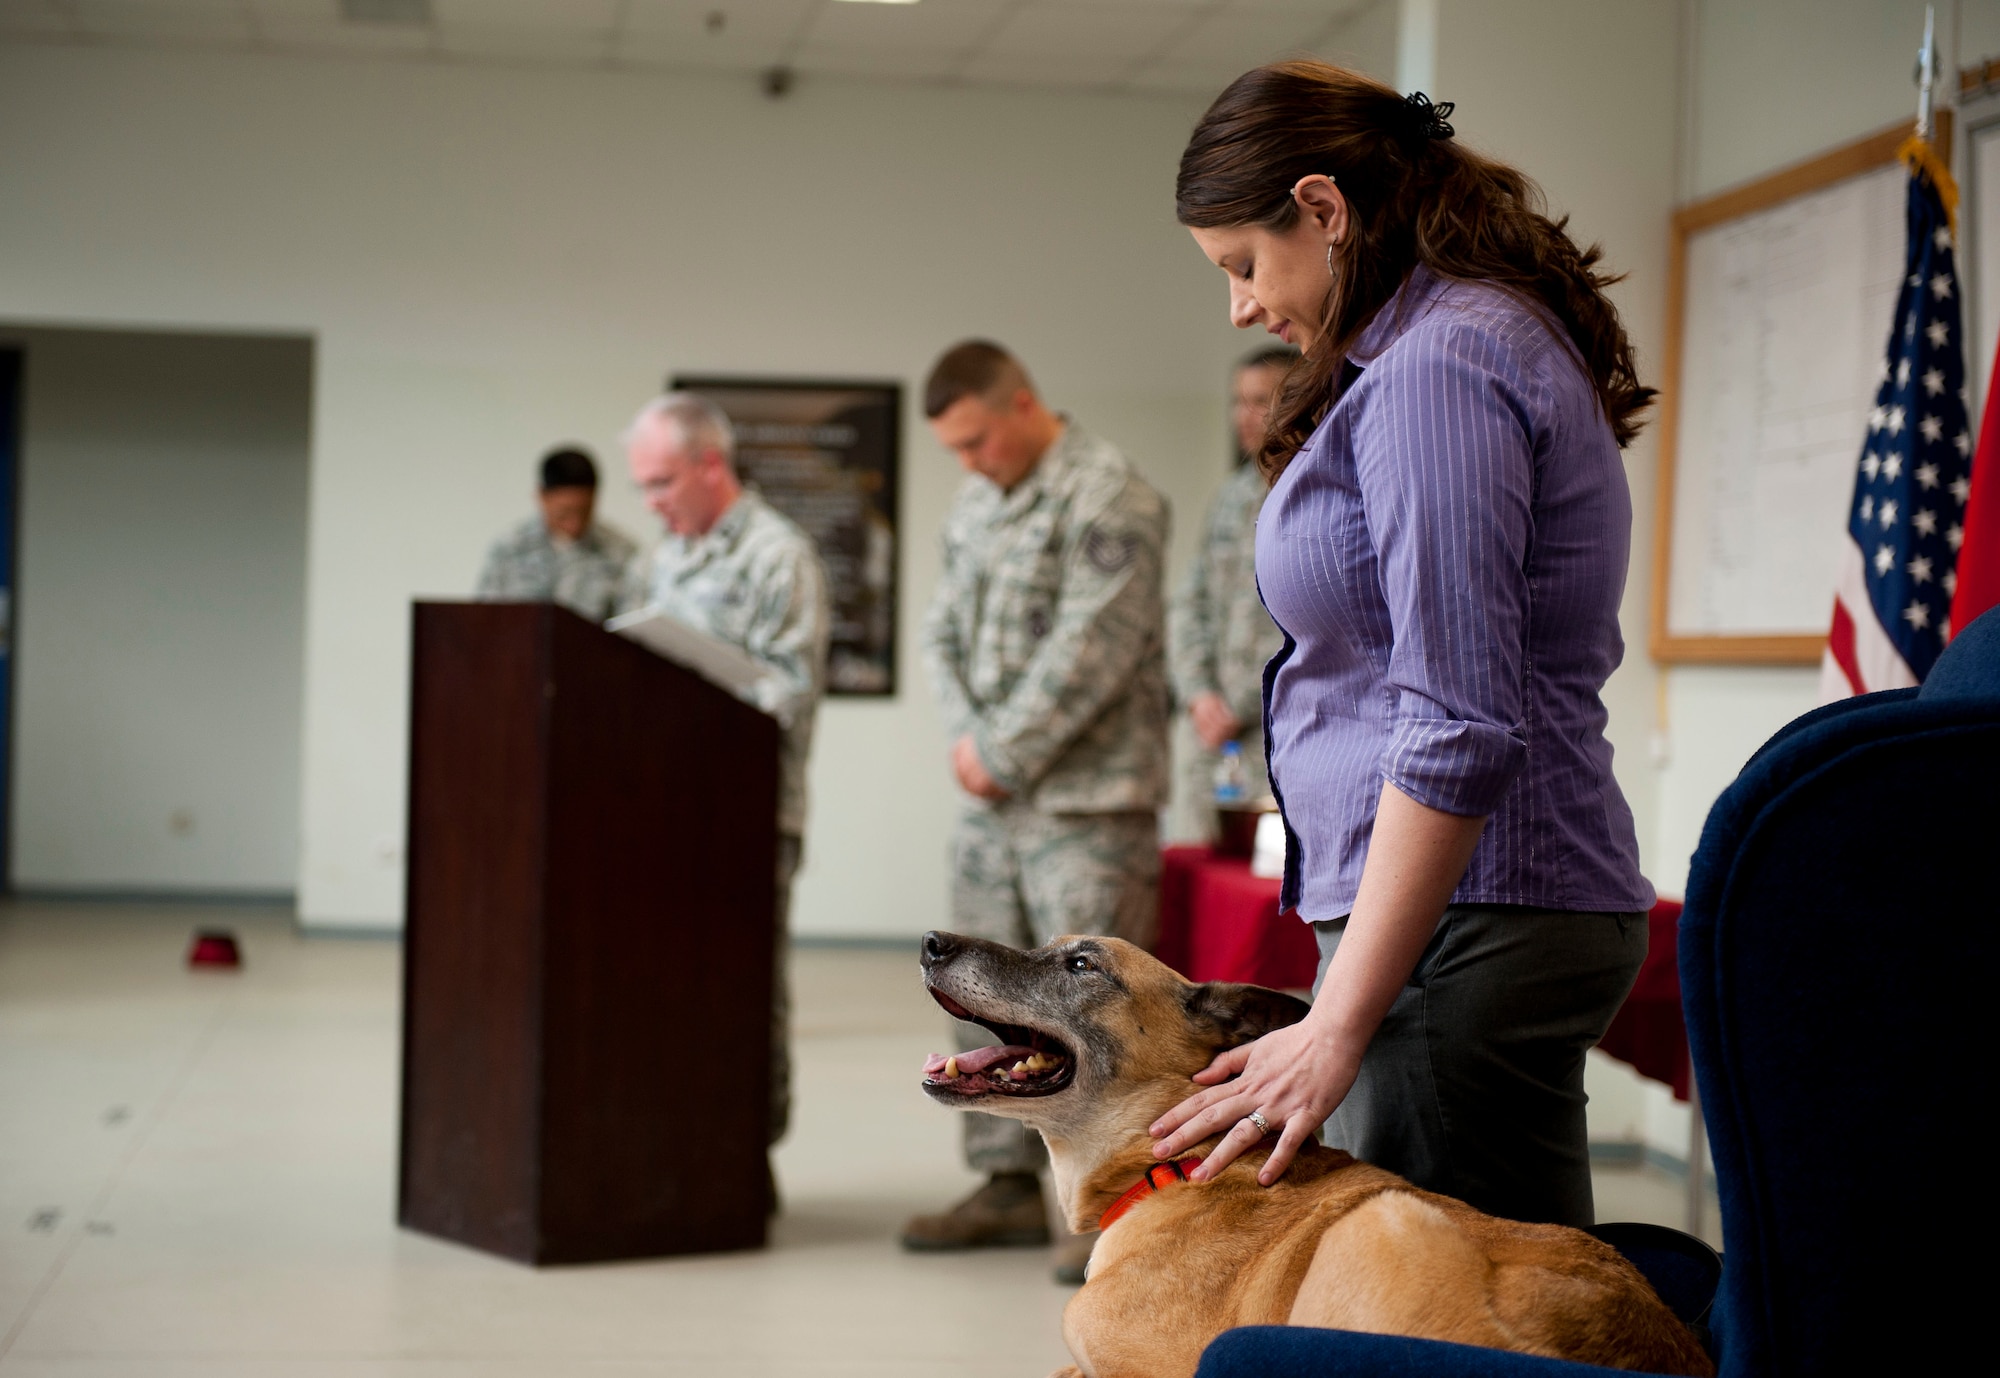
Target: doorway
10 440
157 648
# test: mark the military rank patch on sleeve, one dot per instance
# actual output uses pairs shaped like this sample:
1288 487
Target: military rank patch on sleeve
1109 553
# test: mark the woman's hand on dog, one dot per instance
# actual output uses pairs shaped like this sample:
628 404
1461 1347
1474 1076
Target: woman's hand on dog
1294 1076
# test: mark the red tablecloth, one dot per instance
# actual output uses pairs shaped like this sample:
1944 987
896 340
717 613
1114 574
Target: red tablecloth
1649 1032
1220 923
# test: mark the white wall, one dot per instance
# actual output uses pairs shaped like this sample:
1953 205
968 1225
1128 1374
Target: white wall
160 599
1554 87
1770 83
1777 81
1368 40
493 259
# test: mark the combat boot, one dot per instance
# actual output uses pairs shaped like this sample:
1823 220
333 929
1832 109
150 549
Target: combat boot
1073 1259
1006 1211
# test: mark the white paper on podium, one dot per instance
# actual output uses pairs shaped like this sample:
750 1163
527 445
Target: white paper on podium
715 660
1267 856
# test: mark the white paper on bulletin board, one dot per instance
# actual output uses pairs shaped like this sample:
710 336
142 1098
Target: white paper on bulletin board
1785 321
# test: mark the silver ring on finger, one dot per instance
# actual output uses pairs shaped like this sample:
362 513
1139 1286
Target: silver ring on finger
1256 1117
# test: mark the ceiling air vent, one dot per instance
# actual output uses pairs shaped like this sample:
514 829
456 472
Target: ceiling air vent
409 13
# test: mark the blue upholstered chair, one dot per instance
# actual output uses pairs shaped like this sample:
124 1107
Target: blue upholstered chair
1835 953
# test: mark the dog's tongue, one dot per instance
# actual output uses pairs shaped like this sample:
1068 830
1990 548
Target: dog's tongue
973 1063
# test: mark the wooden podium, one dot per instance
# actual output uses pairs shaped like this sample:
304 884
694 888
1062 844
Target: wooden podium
587 961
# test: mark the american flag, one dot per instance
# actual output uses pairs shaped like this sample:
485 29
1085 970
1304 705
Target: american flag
1892 599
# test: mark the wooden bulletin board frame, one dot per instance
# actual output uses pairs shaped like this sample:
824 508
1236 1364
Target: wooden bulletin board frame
1801 179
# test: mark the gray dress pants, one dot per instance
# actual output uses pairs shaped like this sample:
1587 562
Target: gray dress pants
791 850
1473 1086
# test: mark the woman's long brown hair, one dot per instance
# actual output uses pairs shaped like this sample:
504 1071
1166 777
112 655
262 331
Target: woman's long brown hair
1412 199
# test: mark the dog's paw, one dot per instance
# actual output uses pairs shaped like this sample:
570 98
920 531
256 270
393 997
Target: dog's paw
1070 1372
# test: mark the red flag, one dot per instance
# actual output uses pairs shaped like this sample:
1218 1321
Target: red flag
1979 557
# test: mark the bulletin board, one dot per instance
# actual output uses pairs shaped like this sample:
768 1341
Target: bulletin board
1780 297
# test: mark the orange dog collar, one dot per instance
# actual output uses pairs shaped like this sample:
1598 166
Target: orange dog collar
1176 1172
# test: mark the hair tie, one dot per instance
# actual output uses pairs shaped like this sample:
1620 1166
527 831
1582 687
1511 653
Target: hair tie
1429 121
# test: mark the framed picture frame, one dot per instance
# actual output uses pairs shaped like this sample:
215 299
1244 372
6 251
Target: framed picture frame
828 454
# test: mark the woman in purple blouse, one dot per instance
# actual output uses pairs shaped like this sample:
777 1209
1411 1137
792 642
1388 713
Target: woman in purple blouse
1444 547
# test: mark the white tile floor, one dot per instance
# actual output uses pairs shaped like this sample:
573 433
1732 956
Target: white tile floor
197 1177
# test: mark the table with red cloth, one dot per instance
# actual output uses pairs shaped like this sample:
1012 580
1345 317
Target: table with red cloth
1220 923
1650 1033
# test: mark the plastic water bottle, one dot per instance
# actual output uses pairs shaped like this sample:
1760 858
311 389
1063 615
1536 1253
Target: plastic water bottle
1231 785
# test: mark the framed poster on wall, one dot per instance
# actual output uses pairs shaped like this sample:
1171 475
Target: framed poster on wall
829 455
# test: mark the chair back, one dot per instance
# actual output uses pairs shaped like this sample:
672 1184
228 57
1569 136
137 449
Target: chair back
1840 924
1681 1268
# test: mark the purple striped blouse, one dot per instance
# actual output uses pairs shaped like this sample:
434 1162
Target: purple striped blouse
1446 557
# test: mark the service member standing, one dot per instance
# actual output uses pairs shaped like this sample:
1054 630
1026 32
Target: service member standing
1045 642
732 565
560 555
1219 635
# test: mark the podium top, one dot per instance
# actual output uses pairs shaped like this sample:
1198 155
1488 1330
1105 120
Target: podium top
719 662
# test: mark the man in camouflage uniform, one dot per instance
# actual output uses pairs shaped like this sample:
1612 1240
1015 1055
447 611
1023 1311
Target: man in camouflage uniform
732 565
1045 642
1221 637
560 556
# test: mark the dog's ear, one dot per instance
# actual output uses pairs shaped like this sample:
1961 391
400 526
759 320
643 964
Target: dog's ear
1230 1014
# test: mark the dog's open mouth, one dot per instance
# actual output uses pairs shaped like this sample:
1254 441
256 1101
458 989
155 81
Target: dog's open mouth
1025 1062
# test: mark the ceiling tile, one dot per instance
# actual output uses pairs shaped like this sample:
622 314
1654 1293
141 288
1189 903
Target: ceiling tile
514 43
196 21
568 16
898 63
287 32
34 18
936 25
1243 40
1186 78
717 52
756 21
1154 45
1068 33
1056 70
1182 7
1328 14
163 10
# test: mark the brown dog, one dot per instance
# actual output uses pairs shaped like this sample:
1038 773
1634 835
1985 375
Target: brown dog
1097 1040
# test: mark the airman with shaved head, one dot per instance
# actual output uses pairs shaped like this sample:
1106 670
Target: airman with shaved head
1045 642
